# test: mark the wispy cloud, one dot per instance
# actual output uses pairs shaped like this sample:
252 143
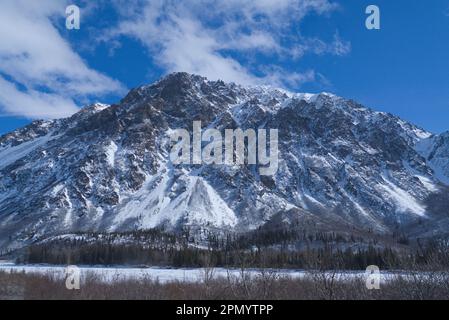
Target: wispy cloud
32 103
42 76
40 73
212 38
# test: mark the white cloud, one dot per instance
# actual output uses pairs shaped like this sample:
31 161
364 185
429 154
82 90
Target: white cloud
340 47
203 36
34 55
33 104
42 76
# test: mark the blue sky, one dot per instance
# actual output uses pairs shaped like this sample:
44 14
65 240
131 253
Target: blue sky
47 71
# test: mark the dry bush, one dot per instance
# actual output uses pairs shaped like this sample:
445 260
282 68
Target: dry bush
266 285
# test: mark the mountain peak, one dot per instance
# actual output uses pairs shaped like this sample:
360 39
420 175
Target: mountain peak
108 168
95 107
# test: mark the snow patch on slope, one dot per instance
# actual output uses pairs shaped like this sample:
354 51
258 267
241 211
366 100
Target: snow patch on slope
110 151
436 155
404 201
199 205
157 203
12 154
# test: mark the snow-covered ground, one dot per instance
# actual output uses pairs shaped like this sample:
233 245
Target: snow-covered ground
121 273
164 275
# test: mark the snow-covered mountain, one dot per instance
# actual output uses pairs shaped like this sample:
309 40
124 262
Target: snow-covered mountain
107 168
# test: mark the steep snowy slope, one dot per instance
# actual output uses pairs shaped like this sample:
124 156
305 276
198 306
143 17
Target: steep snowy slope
436 151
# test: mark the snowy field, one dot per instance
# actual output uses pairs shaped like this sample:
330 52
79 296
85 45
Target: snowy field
163 275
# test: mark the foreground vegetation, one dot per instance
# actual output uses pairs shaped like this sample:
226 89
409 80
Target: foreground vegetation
267 285
322 254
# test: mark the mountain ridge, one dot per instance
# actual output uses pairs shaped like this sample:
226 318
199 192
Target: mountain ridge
106 168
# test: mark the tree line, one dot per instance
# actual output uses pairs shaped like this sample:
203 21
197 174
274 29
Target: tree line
257 250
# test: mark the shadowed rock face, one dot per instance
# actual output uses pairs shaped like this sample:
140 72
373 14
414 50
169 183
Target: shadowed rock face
106 168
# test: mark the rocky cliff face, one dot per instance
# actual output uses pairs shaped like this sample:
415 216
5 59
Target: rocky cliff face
107 168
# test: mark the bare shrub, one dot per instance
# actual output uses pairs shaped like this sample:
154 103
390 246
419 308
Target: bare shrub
263 286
